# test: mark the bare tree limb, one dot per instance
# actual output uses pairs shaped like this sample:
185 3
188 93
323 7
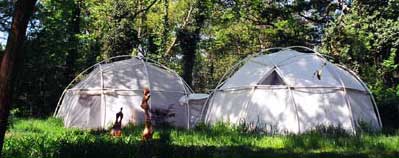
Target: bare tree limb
183 26
310 19
144 9
260 23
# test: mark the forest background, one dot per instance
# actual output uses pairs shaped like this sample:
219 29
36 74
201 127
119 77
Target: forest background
201 40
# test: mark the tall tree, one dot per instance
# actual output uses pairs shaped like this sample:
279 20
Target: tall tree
23 12
73 41
165 27
190 37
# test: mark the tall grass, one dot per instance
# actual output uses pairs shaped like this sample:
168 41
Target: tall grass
47 138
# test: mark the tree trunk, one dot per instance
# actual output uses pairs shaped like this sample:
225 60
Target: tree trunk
73 52
189 38
22 13
186 19
188 45
165 28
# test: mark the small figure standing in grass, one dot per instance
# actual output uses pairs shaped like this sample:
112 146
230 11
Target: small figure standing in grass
117 128
148 130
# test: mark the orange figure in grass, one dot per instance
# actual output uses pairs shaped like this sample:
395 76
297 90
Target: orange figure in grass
117 128
148 130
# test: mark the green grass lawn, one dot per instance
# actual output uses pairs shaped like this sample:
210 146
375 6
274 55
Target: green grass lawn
47 138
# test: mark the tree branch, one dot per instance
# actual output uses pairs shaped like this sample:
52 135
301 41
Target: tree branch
310 19
183 26
260 23
144 9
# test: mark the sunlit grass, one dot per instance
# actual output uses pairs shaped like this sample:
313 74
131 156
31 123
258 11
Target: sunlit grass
48 138
51 126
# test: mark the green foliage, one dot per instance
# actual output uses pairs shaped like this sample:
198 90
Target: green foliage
240 28
6 10
12 118
366 41
121 37
389 64
47 138
41 76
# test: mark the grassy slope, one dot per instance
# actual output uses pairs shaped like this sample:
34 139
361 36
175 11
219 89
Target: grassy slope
47 138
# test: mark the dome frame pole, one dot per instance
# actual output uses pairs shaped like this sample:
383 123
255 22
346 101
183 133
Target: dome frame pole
348 104
219 84
290 89
208 105
102 100
149 83
368 91
67 88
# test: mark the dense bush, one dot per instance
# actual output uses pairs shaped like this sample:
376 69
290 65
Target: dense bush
388 104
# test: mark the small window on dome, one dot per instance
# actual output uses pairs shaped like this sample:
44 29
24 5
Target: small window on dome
272 79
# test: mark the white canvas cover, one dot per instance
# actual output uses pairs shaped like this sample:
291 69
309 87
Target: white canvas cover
293 92
92 100
195 103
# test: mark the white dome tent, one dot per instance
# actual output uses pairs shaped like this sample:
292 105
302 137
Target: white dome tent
292 92
93 98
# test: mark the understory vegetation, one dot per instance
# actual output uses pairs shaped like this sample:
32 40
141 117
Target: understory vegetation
48 138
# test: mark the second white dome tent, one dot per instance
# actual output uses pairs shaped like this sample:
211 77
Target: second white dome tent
292 91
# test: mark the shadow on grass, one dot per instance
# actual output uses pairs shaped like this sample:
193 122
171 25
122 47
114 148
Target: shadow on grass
296 146
157 149
85 144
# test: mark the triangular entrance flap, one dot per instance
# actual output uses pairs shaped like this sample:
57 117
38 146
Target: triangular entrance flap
273 79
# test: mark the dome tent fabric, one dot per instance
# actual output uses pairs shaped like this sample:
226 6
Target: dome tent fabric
92 99
292 92
195 102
